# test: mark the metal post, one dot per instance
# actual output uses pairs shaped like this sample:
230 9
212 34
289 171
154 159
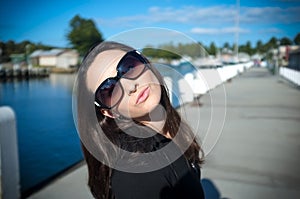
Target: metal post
277 58
9 164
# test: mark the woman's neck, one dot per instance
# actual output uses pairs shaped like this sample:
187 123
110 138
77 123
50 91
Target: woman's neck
156 120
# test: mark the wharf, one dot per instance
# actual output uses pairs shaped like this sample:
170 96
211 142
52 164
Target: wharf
257 153
23 73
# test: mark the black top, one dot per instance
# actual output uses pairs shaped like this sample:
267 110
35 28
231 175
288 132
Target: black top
175 180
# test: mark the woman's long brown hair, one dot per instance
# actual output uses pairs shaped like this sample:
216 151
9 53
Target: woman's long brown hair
100 174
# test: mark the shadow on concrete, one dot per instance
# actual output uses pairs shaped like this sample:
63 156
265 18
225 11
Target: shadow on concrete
210 189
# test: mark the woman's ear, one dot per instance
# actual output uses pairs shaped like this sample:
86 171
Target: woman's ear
107 113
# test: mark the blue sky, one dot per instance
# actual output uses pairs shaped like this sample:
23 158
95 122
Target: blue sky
203 20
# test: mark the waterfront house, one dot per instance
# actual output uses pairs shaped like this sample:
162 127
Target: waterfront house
294 60
281 53
59 58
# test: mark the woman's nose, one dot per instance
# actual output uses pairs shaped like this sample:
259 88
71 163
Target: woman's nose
129 86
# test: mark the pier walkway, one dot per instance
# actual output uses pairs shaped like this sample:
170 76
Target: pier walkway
257 153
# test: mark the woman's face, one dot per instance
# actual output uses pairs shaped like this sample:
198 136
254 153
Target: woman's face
140 95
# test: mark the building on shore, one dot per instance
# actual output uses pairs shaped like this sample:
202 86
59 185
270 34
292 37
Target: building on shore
58 58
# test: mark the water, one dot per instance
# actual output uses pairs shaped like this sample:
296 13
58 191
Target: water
47 139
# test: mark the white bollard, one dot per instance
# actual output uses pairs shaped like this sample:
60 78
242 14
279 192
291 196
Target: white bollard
9 164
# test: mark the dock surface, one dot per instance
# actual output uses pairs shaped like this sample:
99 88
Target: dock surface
256 154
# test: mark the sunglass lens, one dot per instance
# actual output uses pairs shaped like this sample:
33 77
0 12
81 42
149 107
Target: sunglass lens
131 67
110 93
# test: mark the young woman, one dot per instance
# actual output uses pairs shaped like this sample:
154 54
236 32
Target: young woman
138 146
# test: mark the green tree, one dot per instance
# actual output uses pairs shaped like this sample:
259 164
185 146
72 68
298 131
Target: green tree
272 43
259 47
285 41
247 48
83 34
10 47
212 49
297 39
226 45
160 53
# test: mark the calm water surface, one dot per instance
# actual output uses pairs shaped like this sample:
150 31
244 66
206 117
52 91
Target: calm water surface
47 138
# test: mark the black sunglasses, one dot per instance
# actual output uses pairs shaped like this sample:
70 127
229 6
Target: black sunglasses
110 91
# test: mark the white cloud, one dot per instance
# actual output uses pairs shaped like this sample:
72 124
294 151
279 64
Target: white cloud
234 29
186 15
269 15
214 15
205 30
211 31
270 30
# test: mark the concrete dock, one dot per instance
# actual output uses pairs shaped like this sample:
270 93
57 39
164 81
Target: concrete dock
255 156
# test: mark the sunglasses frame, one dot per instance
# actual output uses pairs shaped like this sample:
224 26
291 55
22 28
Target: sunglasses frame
135 54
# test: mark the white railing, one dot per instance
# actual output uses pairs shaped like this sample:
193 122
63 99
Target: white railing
204 80
9 164
290 74
229 71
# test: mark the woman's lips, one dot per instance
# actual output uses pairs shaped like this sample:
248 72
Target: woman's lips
143 95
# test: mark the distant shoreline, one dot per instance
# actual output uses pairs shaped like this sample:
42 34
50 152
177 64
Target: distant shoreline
9 73
63 70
